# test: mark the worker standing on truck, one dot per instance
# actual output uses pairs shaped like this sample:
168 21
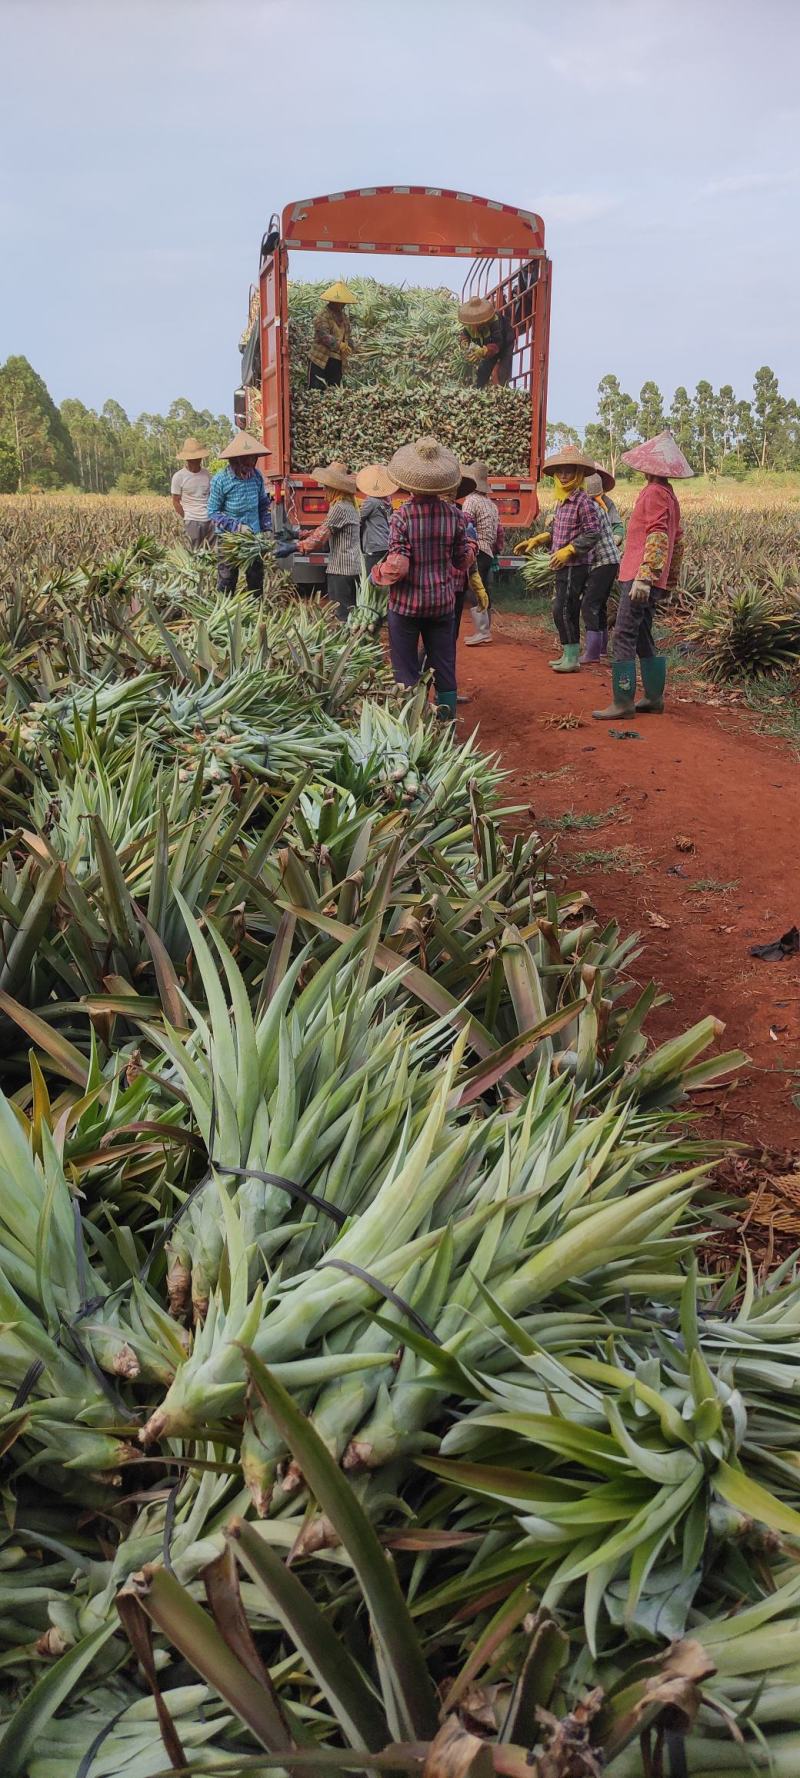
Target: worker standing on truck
189 490
603 569
487 340
481 509
333 339
238 501
428 551
375 513
649 569
340 531
572 535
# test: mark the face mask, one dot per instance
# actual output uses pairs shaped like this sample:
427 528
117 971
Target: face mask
563 489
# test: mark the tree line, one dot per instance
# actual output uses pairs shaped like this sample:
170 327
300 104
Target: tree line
45 446
718 433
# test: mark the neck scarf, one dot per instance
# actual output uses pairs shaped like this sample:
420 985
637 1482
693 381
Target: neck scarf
565 488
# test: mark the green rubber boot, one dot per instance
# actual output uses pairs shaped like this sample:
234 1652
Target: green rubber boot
570 659
654 678
446 705
623 689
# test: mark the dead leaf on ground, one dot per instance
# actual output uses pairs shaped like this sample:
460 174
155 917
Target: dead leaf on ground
683 842
568 721
658 920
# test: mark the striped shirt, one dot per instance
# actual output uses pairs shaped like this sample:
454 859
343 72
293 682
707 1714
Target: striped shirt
432 535
237 500
339 528
486 518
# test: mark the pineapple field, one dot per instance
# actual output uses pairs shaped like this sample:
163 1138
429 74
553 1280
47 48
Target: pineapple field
370 1397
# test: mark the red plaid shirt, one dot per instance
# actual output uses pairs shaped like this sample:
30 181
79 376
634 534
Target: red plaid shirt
432 533
577 516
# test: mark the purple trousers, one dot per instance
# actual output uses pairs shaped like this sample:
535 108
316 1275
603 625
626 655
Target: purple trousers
437 636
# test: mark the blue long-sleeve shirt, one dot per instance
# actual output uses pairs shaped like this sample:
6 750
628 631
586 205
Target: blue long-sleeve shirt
237 500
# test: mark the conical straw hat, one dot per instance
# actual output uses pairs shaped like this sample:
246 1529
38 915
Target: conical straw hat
192 448
606 479
375 481
467 484
476 312
569 459
245 445
659 456
425 467
338 293
480 475
336 476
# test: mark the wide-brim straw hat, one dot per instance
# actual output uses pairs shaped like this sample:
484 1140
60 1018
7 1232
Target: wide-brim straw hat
476 312
192 448
467 485
338 293
375 482
480 476
659 456
245 445
426 467
608 480
569 459
336 476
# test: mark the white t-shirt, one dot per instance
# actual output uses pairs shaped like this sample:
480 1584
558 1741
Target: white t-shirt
192 487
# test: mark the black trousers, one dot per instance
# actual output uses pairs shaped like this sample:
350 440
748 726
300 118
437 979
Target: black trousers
228 576
633 630
570 583
459 611
327 378
341 590
594 605
502 363
371 561
437 635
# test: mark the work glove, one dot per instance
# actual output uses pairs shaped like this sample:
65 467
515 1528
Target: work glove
529 544
477 587
473 354
640 592
287 549
561 558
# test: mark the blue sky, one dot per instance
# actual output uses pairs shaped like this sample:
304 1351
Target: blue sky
145 143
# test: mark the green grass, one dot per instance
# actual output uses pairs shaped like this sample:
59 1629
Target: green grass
624 859
578 820
711 886
776 703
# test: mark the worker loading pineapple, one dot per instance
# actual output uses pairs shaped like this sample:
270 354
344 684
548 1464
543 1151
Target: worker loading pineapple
332 343
487 340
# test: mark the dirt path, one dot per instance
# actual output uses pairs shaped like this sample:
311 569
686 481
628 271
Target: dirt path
700 774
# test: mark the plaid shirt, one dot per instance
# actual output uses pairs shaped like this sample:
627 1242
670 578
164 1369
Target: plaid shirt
236 500
340 529
605 553
573 518
432 533
487 522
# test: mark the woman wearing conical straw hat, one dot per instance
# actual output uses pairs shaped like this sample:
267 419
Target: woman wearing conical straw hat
238 501
428 558
375 484
649 568
603 568
333 339
571 536
189 489
339 530
487 340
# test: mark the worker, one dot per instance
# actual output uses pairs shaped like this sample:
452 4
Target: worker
571 537
238 501
487 340
339 530
428 551
482 510
189 490
603 569
332 343
649 569
376 484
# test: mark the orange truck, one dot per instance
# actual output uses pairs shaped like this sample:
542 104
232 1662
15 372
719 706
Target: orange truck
507 263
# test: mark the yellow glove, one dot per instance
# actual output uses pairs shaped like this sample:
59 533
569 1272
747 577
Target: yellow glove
530 543
345 350
473 354
562 557
477 587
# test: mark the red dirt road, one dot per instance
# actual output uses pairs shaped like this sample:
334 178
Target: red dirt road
700 773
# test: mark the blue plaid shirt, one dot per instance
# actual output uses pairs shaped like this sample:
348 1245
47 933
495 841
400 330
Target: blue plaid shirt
236 500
